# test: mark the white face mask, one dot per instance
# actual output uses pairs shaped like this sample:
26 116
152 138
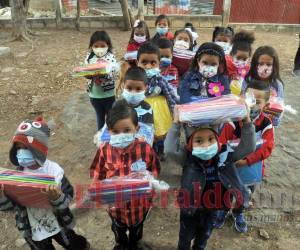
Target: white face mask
264 71
225 46
208 71
181 44
139 39
100 51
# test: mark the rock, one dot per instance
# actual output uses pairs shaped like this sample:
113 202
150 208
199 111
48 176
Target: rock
12 92
297 226
5 79
7 69
42 85
20 242
58 75
22 54
263 234
4 51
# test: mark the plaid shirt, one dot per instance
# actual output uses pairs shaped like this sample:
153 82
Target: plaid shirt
110 161
166 90
171 75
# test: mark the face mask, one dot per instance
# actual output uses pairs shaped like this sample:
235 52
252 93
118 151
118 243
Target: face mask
162 31
139 39
225 46
25 158
264 71
100 51
122 140
254 112
152 72
240 64
180 44
208 71
133 97
205 153
165 62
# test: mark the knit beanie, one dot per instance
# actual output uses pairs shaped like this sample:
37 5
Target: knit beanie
35 136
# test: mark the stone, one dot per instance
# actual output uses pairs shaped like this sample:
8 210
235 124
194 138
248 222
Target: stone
22 54
20 242
263 234
297 226
12 92
7 69
58 75
4 51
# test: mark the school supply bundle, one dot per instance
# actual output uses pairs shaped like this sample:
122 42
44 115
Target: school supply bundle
138 184
276 104
183 54
100 68
161 114
236 86
131 56
25 188
212 111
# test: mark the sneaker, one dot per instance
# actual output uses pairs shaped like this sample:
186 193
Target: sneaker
240 223
119 247
221 218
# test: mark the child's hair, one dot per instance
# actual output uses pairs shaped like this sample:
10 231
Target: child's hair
224 31
210 49
101 36
187 32
265 50
161 17
164 43
242 41
137 25
191 26
261 86
148 48
119 111
137 74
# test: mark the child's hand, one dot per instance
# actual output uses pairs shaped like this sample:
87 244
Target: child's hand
241 163
53 192
176 114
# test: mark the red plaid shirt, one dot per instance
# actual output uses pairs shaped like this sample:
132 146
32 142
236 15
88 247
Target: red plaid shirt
110 161
171 72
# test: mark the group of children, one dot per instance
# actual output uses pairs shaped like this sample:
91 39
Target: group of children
172 68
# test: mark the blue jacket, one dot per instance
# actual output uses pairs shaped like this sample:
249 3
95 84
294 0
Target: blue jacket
193 86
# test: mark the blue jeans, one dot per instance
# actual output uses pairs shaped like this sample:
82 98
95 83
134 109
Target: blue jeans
198 227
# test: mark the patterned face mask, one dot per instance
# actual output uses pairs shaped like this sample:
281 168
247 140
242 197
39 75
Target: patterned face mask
139 39
239 64
264 71
180 44
121 140
208 71
100 51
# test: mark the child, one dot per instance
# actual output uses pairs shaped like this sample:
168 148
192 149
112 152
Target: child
223 37
264 130
149 59
206 77
162 24
117 158
139 35
265 67
238 64
190 27
39 226
202 160
101 88
167 69
183 51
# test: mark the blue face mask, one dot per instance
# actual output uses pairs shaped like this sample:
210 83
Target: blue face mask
25 158
165 62
133 98
122 140
152 72
205 153
162 31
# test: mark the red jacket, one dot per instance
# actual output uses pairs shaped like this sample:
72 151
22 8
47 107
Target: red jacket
133 46
262 124
233 72
171 75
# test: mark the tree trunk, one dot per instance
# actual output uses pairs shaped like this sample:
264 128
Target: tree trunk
124 6
19 9
77 23
58 13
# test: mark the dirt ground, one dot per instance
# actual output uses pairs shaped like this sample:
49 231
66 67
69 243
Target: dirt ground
40 84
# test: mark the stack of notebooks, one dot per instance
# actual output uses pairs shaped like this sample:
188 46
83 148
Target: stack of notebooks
100 68
26 189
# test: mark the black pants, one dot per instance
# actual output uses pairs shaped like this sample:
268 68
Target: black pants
67 239
297 59
120 230
102 106
198 227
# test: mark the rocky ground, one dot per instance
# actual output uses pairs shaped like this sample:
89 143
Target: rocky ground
40 84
